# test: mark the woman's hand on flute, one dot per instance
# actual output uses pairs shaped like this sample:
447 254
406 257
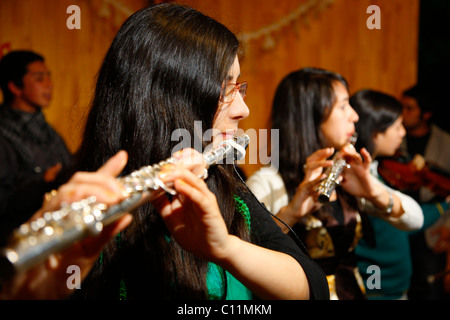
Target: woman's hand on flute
49 279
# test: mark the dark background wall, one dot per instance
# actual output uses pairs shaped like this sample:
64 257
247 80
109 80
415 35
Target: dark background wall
434 54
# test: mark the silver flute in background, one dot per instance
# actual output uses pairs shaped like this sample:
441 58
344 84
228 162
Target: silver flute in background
328 185
34 241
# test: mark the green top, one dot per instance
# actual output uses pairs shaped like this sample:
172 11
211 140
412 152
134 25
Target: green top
215 277
215 282
391 255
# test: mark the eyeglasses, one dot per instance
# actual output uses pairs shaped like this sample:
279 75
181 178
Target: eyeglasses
230 91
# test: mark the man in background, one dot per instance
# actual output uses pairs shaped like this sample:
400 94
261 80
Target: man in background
32 153
426 144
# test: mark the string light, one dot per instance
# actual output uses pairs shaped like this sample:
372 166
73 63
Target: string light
117 6
268 32
301 13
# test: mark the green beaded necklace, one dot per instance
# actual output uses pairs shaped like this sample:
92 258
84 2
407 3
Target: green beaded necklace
242 208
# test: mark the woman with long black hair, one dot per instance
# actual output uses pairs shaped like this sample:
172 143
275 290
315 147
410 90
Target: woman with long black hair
169 68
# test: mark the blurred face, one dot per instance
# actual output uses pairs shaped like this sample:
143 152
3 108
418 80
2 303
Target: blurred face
37 88
412 117
340 124
387 142
228 115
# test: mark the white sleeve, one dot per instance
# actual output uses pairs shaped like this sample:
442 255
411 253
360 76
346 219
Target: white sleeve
410 220
268 187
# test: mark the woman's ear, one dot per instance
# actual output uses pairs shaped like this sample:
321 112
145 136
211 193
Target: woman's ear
375 141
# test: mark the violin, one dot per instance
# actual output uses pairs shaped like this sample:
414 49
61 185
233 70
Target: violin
410 176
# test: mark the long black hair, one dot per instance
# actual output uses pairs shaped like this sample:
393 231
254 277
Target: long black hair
303 100
163 71
377 111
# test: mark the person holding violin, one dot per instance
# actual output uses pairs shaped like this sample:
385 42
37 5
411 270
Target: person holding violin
425 148
381 132
426 152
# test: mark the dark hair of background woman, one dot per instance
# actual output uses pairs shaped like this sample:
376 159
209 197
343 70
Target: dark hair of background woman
303 100
377 111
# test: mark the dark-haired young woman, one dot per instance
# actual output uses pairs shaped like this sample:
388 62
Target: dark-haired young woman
311 110
381 132
169 68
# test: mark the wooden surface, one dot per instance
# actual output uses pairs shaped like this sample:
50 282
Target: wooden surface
73 56
335 38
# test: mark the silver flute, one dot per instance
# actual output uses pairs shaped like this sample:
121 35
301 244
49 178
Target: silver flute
35 241
330 182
